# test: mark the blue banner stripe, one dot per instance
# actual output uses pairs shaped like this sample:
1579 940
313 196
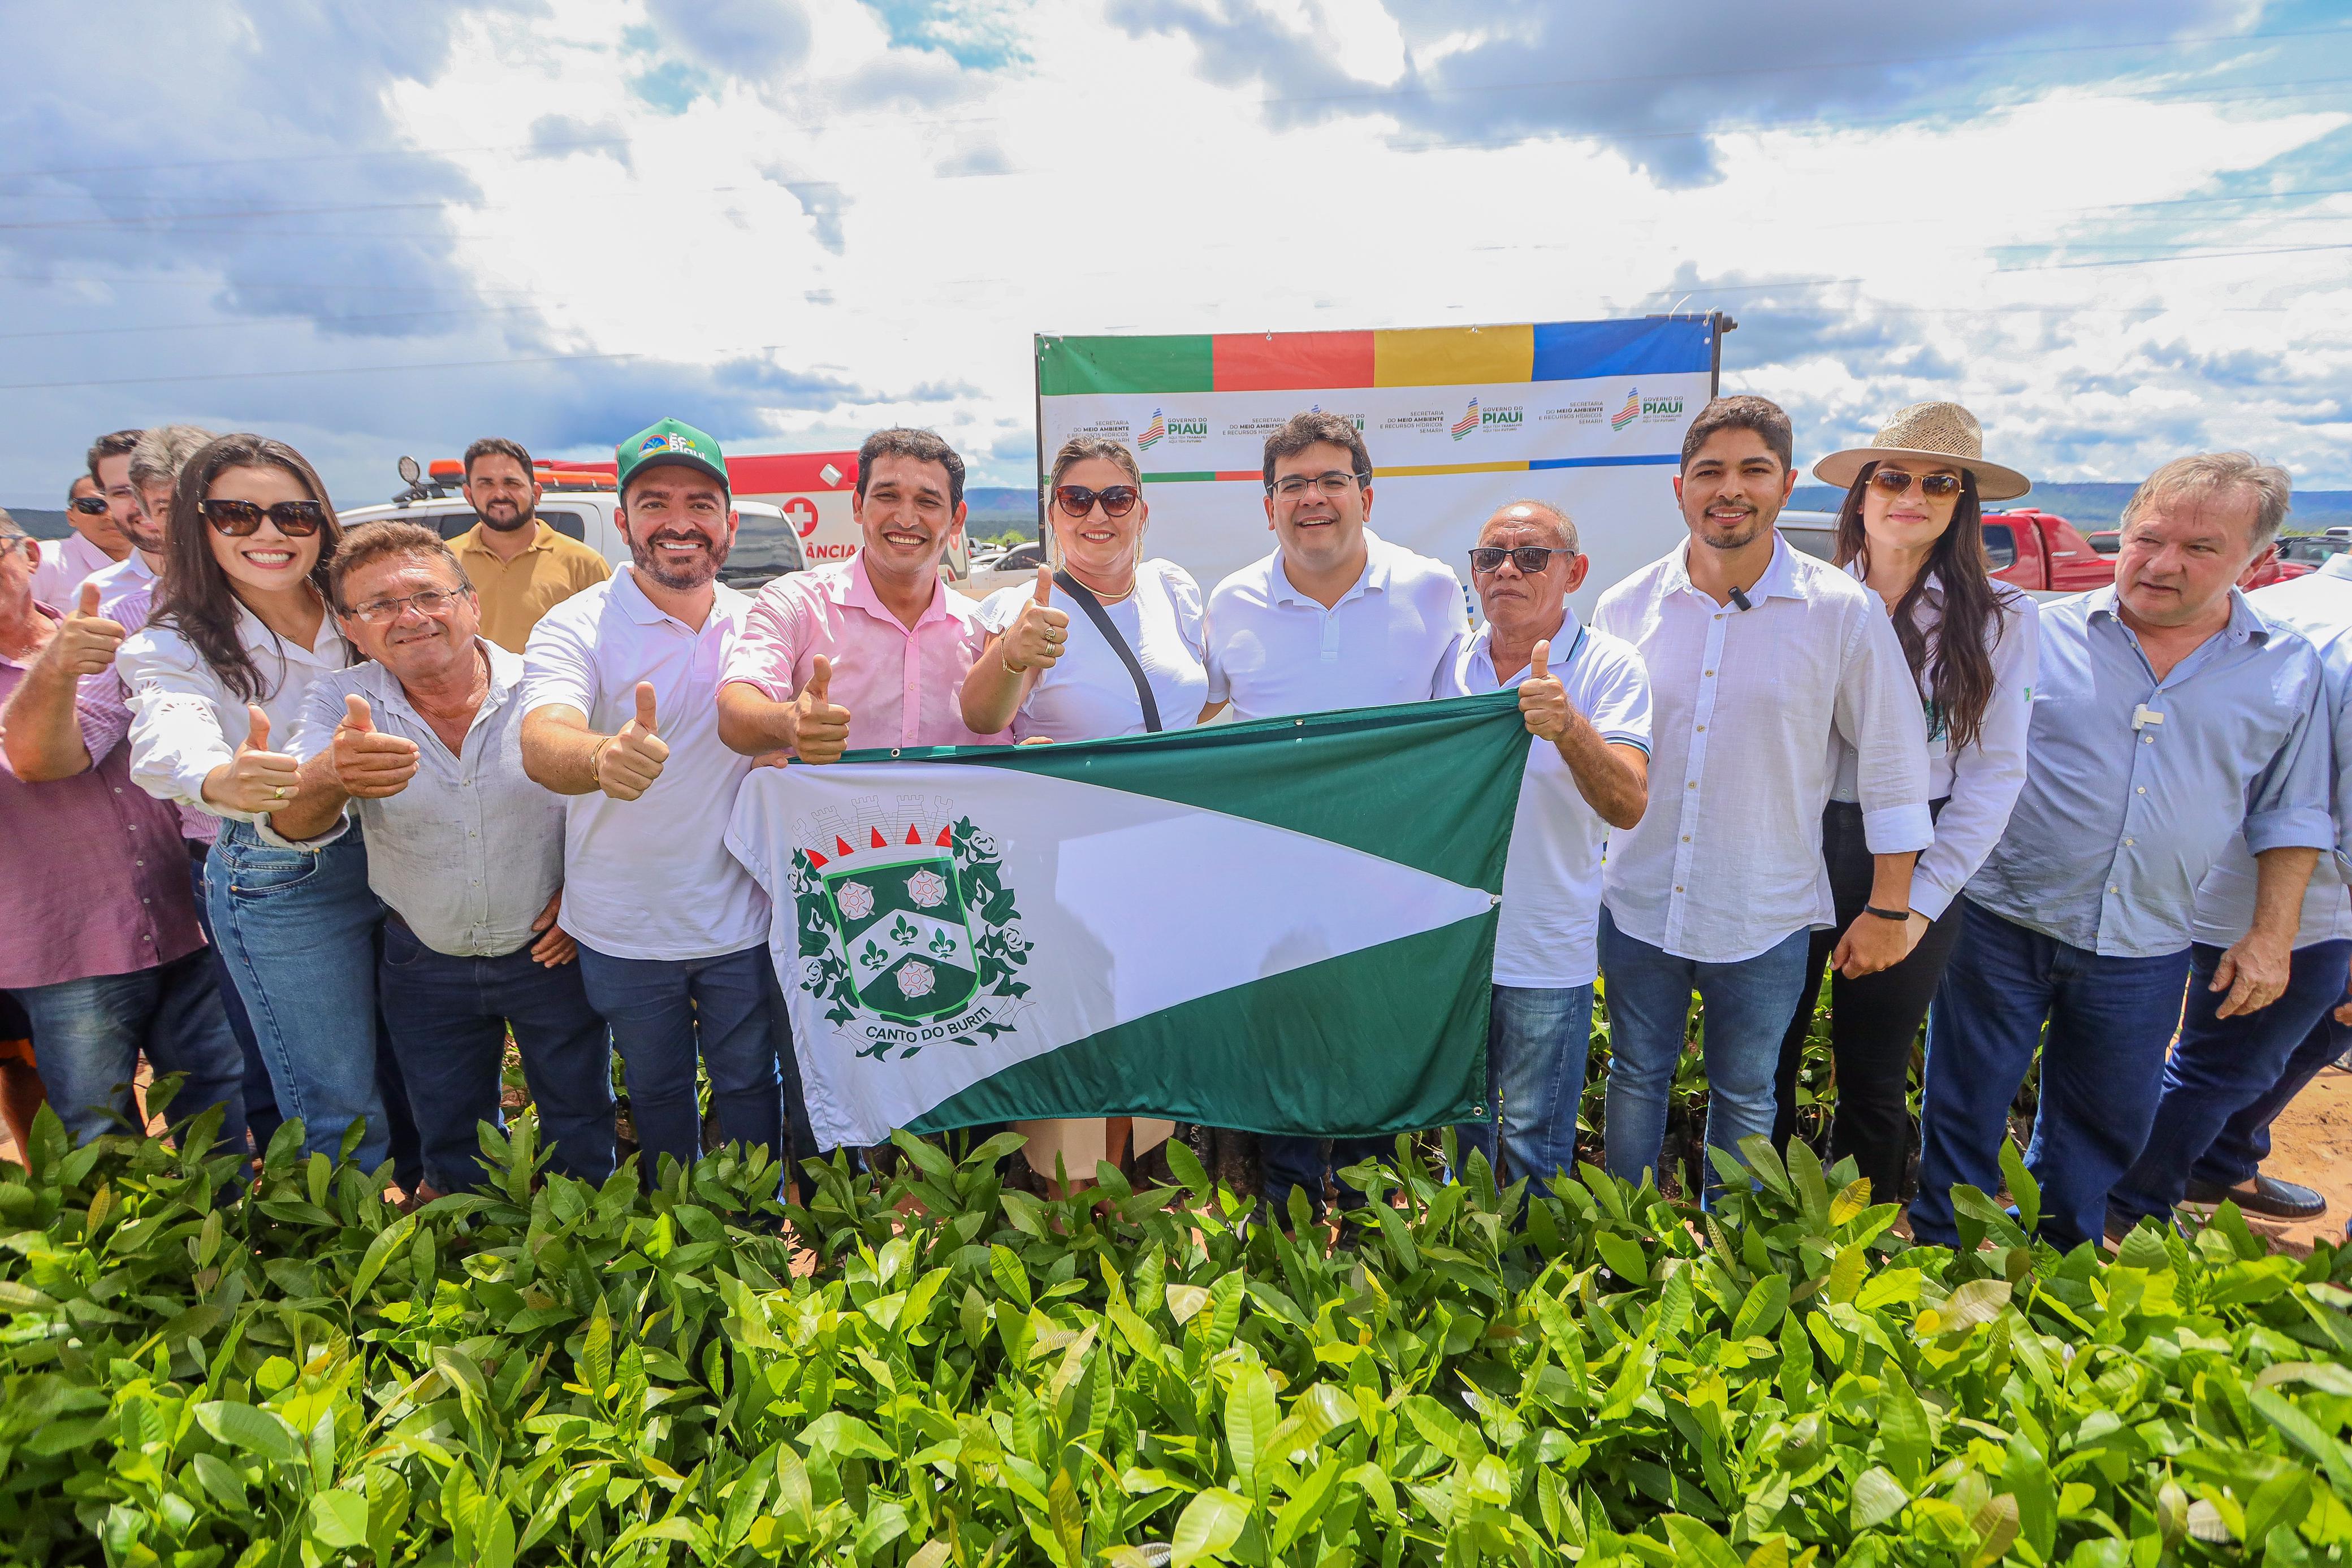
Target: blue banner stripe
1605 462
1578 350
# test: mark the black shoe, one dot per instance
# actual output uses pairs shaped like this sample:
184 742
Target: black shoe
2265 1196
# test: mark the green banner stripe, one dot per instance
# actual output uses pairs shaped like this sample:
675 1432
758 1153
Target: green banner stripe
1069 365
1388 1039
1423 784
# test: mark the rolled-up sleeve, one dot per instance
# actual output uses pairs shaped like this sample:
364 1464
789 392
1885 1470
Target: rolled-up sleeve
1988 774
1877 712
767 650
2287 807
558 668
175 732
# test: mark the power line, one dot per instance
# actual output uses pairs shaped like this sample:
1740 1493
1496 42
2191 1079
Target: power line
1264 102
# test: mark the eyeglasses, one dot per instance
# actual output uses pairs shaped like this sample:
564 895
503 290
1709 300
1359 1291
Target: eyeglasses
295 519
429 601
1935 486
89 506
1291 486
1529 558
1117 500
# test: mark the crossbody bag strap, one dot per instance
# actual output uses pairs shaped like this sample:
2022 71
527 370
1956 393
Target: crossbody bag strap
1111 634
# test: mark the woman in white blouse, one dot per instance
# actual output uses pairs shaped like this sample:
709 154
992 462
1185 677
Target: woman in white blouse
1911 527
1052 672
242 627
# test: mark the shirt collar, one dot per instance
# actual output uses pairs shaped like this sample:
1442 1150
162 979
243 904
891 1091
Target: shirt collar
1481 650
1782 578
1373 579
506 675
27 662
476 537
643 611
857 590
2245 624
329 652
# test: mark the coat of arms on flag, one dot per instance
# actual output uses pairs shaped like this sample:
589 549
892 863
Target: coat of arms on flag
906 931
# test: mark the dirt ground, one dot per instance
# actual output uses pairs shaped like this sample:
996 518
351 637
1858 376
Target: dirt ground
2311 1143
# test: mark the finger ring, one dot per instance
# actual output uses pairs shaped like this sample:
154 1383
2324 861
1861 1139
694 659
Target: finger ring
279 793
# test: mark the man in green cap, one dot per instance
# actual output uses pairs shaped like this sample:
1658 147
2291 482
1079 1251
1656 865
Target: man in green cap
620 694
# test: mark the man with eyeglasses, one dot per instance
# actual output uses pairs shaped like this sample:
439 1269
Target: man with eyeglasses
1586 700
95 545
147 473
424 739
1335 617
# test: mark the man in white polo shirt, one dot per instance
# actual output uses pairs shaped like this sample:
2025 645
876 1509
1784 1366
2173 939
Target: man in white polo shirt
1586 699
621 686
1336 617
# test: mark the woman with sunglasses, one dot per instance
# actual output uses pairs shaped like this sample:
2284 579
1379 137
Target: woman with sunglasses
1052 670
241 630
1911 527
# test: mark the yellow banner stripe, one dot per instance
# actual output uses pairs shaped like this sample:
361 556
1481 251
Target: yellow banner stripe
1453 356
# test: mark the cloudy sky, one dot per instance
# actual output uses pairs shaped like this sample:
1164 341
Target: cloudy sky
2117 230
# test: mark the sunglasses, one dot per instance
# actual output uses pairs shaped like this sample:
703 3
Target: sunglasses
1529 558
1935 486
295 519
1117 500
89 506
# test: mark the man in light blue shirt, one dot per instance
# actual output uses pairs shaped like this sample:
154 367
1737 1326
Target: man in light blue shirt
2227 1078
2170 715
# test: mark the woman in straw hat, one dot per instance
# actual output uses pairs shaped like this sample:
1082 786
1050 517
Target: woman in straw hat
1910 528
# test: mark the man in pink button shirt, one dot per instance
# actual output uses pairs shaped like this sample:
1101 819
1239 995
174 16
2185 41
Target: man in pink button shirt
871 652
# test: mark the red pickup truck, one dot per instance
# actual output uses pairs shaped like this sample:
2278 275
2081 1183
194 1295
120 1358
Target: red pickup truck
2038 552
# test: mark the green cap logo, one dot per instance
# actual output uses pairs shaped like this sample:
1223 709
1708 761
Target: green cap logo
670 442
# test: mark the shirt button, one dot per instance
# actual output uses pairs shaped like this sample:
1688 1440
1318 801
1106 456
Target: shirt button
1678 887
1702 729
1686 838
2129 842
1692 785
1710 674
2141 791
2113 888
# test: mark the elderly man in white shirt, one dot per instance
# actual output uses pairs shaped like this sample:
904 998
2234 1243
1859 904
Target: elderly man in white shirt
424 741
1586 700
1758 658
1336 617
621 714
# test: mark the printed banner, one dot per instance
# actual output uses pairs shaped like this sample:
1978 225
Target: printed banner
1589 415
1284 926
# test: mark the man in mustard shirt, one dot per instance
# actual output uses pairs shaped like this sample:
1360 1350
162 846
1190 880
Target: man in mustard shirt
520 568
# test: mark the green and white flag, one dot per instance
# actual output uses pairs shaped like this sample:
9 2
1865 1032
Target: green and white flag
1282 926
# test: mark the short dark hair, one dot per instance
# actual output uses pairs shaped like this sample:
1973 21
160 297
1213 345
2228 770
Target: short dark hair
118 444
1761 414
922 446
370 542
1301 431
91 479
496 446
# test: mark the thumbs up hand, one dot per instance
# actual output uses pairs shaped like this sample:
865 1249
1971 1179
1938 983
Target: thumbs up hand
1034 641
1543 700
627 764
370 764
86 641
255 780
820 724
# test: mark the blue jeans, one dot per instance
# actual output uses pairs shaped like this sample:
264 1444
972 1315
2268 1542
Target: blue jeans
2222 1068
1746 1009
730 1009
448 1020
1286 1160
2102 1071
1537 1043
261 1117
87 1034
296 928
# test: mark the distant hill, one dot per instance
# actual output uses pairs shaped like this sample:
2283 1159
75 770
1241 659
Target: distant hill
1005 504
2102 505
41 525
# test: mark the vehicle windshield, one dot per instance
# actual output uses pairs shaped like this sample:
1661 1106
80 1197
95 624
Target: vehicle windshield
766 547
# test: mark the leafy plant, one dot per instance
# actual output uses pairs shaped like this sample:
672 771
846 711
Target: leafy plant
543 1371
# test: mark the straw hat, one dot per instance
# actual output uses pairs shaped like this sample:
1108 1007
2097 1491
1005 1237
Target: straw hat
1933 432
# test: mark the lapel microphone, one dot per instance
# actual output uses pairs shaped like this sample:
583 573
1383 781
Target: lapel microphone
1740 600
